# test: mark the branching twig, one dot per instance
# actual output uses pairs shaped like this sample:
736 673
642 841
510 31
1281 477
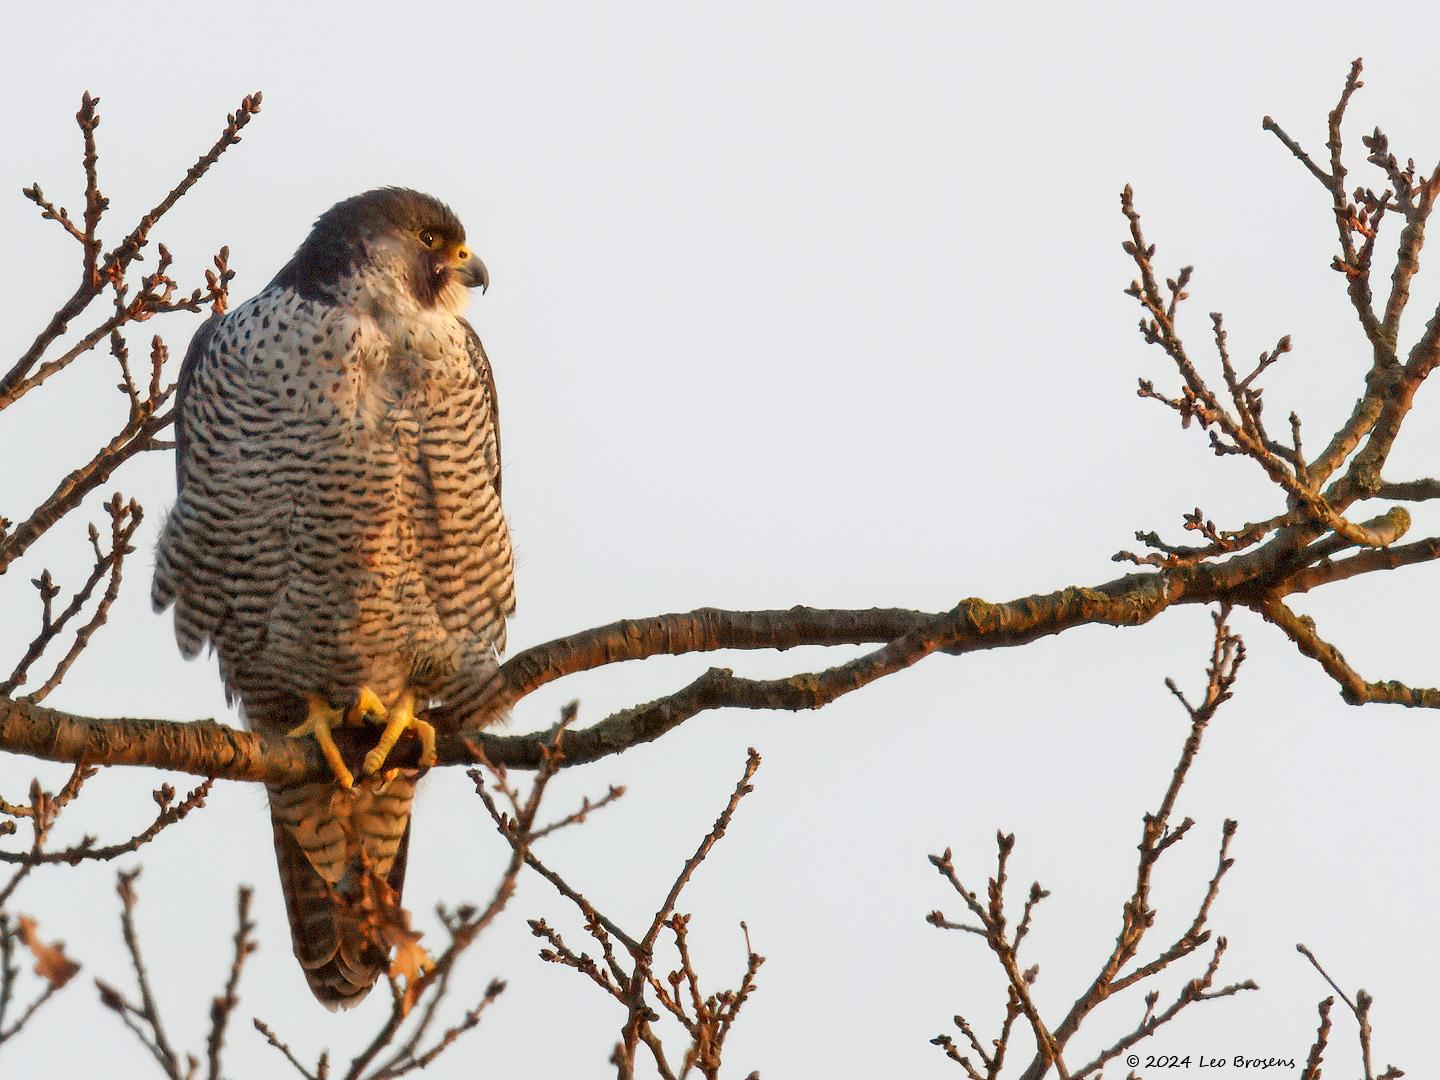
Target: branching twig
224 1005
85 851
1138 916
144 1020
706 1019
1360 1009
125 518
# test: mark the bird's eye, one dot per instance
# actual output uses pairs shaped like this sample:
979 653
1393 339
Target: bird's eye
430 238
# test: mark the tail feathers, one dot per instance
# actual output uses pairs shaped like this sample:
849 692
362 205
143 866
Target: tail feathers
342 871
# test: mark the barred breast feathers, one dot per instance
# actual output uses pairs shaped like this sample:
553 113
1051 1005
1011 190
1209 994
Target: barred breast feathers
310 430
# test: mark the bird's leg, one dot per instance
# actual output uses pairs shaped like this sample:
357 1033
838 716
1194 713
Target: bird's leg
401 717
320 717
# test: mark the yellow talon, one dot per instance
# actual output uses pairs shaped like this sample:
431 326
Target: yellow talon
320 717
367 704
401 718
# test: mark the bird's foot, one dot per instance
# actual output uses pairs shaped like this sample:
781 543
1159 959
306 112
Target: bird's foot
320 718
399 719
368 706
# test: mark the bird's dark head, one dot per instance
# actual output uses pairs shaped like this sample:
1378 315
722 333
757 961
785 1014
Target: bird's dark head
390 240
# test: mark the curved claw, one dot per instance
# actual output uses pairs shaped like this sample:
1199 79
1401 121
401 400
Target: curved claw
320 717
401 718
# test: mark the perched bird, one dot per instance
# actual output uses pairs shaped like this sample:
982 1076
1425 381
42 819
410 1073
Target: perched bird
338 540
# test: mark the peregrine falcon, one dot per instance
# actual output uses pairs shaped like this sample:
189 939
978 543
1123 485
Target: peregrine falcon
338 540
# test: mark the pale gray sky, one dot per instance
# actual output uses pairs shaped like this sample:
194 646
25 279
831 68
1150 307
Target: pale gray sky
792 303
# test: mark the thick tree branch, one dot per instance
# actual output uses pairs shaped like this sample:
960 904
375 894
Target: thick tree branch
210 749
1409 490
206 748
1354 688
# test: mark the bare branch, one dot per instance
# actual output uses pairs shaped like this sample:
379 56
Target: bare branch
224 1005
143 1019
98 275
125 518
706 1019
1360 1009
1137 917
284 1049
1354 688
86 851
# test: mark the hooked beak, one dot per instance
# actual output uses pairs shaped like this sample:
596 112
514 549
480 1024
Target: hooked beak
470 270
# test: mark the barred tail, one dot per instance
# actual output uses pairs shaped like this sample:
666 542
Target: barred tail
342 871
